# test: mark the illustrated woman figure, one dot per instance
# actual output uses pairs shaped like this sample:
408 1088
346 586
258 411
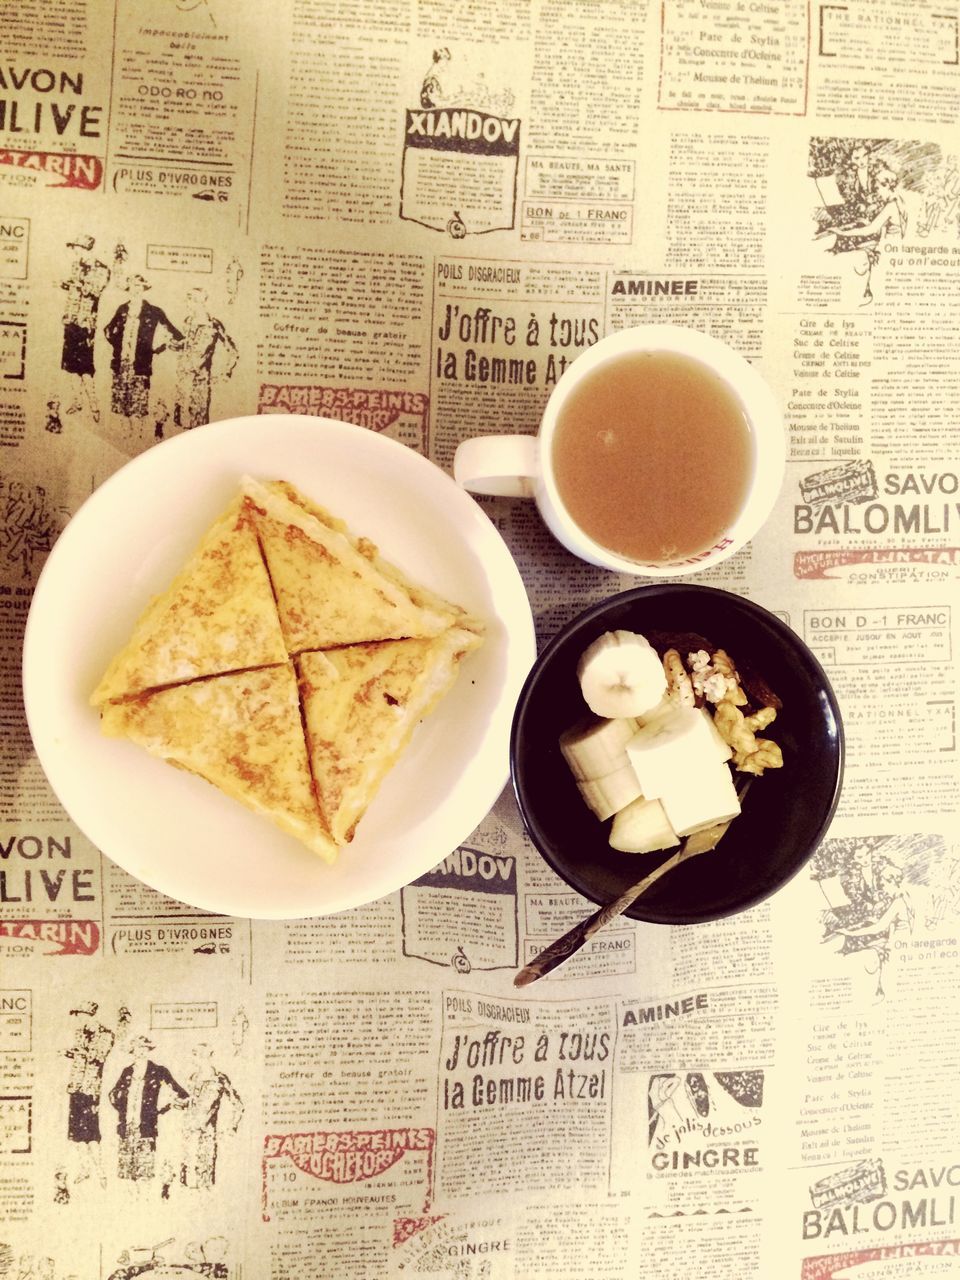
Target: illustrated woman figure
91 1044
884 214
138 1099
132 333
84 286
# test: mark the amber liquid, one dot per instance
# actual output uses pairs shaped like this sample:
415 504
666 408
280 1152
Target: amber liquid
653 456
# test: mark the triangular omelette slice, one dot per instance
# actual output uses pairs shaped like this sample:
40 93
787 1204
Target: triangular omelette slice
217 615
327 592
244 733
361 704
418 593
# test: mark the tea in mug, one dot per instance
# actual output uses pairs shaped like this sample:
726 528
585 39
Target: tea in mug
653 456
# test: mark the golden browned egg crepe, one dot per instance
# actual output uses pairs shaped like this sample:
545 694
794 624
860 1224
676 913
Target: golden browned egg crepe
217 615
241 731
327 592
361 705
288 664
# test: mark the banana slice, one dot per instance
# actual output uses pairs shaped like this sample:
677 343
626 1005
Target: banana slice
607 795
642 827
597 747
621 675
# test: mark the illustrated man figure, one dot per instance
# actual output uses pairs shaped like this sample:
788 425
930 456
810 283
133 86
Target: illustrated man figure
87 280
132 333
204 334
137 1099
212 1099
431 90
92 1042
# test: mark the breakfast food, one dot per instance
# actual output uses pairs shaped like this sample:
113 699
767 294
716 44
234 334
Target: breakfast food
217 615
242 732
327 591
660 764
620 674
596 752
642 827
361 704
288 664
595 748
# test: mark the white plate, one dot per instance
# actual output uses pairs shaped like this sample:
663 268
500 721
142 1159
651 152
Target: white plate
174 831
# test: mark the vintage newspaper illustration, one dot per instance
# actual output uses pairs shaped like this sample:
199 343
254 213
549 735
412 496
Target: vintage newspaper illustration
413 217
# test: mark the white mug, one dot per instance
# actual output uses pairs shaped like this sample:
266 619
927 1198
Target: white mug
520 466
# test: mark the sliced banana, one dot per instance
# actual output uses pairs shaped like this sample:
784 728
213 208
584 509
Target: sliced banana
642 827
621 675
607 795
597 747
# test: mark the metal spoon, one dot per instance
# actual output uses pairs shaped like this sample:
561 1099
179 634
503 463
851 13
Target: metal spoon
555 954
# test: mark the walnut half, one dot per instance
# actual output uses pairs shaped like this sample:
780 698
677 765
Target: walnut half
750 753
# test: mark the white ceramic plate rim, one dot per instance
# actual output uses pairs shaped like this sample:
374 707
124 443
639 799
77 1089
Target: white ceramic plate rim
174 831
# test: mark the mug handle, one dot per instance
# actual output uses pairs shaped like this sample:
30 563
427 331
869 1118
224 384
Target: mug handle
499 466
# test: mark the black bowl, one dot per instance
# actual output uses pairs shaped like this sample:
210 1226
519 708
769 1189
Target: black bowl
786 812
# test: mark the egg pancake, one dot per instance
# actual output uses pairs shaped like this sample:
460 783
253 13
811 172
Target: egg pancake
361 705
240 731
327 591
217 615
288 664
419 594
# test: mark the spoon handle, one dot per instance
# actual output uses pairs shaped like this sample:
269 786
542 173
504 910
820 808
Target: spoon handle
573 939
583 931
